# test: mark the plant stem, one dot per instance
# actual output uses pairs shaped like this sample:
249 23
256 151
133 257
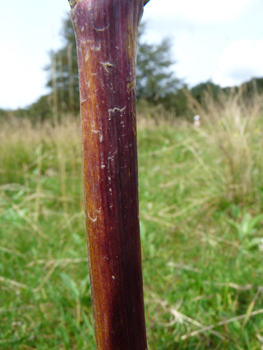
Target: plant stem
106 35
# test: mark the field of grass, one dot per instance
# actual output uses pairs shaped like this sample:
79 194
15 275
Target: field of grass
201 199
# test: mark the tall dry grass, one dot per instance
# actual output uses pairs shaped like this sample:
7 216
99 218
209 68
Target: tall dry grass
41 156
226 162
231 139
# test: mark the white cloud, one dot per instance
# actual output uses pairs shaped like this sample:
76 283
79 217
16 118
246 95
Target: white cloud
211 11
241 61
199 11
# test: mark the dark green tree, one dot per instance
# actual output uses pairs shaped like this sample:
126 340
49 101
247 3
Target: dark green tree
155 78
199 91
63 72
42 109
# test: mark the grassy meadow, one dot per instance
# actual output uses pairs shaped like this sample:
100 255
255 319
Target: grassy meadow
201 199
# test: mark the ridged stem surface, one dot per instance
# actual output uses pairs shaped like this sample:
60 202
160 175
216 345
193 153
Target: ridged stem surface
106 35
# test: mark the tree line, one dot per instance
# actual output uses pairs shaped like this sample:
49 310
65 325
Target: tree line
156 83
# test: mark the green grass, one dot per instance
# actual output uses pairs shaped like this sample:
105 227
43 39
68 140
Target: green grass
201 197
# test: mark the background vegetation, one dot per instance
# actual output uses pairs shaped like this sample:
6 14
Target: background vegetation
157 84
201 197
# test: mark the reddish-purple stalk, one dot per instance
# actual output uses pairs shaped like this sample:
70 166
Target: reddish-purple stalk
106 35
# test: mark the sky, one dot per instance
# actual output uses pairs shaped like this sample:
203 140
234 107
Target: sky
216 40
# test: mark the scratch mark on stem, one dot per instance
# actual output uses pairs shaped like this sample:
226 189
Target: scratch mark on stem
86 56
106 66
116 109
98 132
93 220
101 29
96 48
